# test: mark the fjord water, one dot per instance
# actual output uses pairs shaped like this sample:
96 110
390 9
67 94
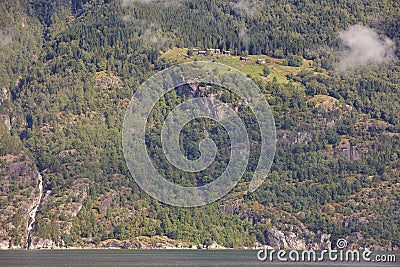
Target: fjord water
147 258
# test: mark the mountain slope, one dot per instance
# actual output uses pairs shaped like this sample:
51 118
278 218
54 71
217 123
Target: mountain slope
69 69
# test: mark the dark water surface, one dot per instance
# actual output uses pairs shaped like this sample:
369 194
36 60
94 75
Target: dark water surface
159 258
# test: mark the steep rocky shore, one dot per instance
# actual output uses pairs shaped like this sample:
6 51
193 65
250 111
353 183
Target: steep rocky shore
276 240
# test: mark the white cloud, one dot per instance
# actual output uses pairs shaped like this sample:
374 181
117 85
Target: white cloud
5 38
248 7
149 36
243 36
364 47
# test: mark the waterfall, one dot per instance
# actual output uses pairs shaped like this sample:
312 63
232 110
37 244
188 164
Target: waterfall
32 213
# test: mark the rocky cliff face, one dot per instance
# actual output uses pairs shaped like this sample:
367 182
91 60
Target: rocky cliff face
18 197
5 119
21 186
279 240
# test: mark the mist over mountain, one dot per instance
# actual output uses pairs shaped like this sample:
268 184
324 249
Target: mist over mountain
365 47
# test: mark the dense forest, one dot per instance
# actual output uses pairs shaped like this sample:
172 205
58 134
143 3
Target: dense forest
68 70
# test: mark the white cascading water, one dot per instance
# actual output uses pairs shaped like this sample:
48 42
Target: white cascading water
32 213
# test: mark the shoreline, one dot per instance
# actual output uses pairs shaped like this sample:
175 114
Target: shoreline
129 249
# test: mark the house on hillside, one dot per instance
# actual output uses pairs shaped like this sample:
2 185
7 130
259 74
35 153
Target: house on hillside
209 51
261 61
214 51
